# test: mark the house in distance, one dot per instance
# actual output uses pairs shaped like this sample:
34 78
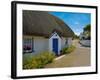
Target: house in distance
44 32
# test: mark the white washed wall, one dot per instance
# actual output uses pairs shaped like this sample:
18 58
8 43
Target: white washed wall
63 42
45 44
40 44
86 42
69 41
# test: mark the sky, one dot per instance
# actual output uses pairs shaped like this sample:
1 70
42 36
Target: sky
76 21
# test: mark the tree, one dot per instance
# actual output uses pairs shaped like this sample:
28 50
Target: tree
87 28
87 31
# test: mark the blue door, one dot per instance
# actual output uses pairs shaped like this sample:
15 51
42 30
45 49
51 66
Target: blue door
55 45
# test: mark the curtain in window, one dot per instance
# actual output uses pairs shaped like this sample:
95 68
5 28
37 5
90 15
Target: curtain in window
27 44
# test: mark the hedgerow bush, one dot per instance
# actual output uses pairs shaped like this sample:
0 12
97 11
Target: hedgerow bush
37 61
69 49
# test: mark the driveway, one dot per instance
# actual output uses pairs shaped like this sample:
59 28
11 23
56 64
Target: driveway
79 57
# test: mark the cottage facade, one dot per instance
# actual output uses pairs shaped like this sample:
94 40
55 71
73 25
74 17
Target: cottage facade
44 32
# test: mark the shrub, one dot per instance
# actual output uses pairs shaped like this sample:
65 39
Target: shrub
68 49
37 61
29 62
46 57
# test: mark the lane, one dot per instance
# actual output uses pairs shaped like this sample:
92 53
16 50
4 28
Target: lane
80 57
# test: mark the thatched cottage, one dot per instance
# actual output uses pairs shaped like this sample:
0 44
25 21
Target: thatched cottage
44 32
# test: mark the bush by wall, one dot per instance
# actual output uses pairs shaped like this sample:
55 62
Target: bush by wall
37 61
68 49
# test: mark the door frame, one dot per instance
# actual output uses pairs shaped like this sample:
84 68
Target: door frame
55 35
57 47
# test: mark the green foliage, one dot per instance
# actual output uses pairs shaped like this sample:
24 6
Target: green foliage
37 61
87 28
67 50
87 31
47 57
76 37
29 63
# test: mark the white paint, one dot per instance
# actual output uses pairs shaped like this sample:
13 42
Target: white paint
63 42
69 41
59 57
54 35
40 44
81 35
85 42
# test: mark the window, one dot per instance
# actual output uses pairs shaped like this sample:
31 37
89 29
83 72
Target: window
66 42
27 45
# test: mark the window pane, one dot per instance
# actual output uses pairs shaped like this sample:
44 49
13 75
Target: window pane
27 45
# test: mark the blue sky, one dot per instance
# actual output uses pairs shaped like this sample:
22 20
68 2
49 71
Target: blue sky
76 21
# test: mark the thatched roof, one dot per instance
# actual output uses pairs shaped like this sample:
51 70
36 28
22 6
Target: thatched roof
44 24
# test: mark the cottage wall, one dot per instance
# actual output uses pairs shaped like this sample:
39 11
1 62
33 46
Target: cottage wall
69 41
63 42
40 44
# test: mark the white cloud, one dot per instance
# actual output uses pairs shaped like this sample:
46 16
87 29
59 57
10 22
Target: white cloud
77 23
77 31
